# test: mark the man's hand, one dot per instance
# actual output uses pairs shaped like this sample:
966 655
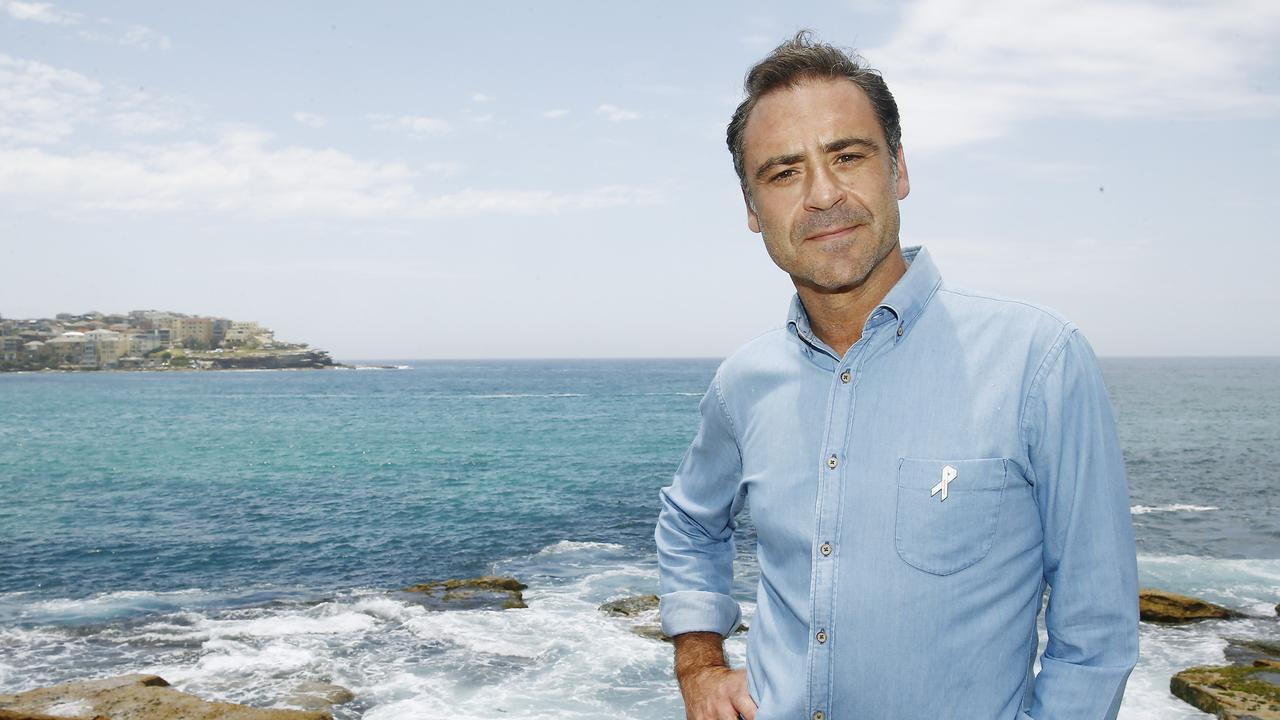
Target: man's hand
711 690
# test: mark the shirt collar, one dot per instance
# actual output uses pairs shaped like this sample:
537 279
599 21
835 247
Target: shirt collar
906 299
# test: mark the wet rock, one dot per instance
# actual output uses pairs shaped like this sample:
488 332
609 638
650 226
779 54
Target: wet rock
481 593
132 697
652 631
1241 651
631 606
319 696
1233 692
1172 609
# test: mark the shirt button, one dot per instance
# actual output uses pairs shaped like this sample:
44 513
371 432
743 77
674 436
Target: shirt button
821 636
832 462
899 330
819 715
825 549
845 377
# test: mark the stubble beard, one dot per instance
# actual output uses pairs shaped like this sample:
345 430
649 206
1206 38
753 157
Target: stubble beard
834 266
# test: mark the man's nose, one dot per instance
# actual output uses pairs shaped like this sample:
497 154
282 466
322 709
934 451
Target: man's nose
823 192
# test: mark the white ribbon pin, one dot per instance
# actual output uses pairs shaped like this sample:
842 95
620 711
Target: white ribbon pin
948 474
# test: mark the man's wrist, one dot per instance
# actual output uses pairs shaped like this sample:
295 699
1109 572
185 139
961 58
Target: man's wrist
698 651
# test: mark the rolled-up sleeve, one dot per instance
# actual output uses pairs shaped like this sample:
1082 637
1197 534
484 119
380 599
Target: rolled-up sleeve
695 527
1089 554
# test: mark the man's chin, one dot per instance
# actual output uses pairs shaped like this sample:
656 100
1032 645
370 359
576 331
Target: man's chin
830 284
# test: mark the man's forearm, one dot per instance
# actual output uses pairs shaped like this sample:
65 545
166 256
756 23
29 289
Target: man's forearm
696 651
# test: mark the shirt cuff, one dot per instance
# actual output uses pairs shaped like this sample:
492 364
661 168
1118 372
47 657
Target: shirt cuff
699 611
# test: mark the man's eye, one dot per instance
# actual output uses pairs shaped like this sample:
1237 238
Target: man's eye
784 175
848 157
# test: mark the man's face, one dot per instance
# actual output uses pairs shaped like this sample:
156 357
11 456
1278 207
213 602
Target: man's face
820 183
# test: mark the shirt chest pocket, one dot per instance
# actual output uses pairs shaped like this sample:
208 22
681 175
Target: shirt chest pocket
947 511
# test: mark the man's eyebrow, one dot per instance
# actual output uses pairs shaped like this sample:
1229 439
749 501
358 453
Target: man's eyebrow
777 160
846 143
833 146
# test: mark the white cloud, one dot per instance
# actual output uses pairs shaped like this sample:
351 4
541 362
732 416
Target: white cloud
443 168
139 36
615 113
535 202
42 104
243 173
965 72
40 12
555 114
482 98
310 119
239 171
144 123
107 30
418 125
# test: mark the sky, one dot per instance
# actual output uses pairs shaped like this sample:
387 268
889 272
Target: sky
525 180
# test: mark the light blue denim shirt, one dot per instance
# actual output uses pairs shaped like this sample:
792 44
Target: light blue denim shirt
912 500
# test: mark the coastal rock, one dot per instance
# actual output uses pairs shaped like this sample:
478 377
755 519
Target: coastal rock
1233 692
132 697
1169 608
319 696
284 359
1243 651
481 593
630 606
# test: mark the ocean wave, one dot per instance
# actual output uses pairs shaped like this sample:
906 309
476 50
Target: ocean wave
106 606
1247 584
560 658
1144 509
577 546
503 396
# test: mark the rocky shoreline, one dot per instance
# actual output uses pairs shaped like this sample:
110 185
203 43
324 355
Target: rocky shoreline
1246 687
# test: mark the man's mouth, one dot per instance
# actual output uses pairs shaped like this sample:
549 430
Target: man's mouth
832 233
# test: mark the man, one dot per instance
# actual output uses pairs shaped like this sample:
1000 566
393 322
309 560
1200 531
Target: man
921 461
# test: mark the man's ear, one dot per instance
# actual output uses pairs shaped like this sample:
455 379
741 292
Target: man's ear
904 183
753 220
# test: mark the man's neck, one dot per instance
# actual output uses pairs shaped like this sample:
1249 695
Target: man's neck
837 317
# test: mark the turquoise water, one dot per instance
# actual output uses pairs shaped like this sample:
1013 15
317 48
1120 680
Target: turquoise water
236 532
326 480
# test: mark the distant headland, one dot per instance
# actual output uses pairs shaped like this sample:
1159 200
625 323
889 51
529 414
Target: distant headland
148 340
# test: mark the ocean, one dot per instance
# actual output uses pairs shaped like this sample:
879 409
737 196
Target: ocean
240 532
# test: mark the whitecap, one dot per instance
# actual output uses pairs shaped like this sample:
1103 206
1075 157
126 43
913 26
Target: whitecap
564 546
111 605
1144 509
496 396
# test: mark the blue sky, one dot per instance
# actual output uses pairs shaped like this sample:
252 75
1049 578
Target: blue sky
550 180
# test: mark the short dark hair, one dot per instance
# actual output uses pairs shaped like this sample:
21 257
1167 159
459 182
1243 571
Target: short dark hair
801 59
